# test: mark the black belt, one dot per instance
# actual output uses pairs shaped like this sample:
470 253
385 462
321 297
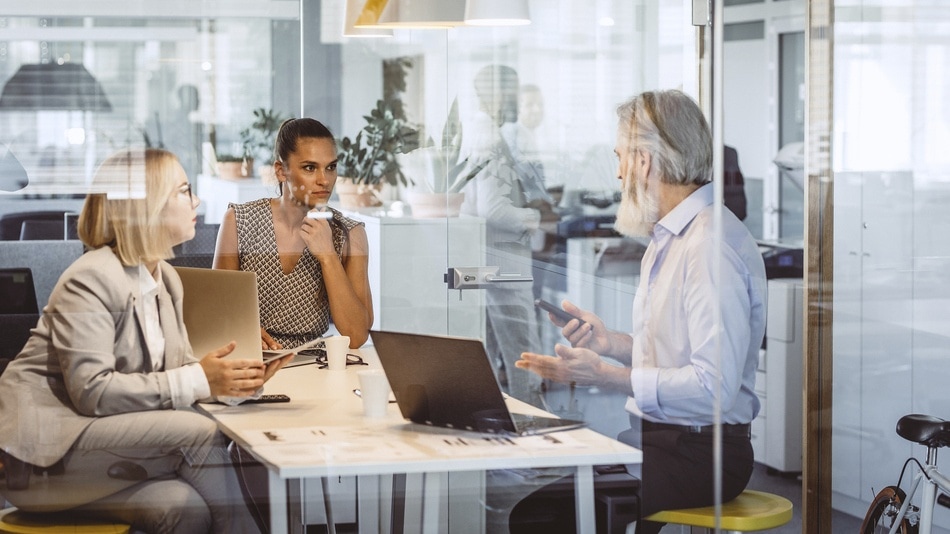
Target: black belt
743 430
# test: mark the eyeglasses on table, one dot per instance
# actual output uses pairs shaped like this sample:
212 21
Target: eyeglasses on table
320 358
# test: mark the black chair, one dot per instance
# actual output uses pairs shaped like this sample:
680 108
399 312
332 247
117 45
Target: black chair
11 224
72 219
197 252
42 230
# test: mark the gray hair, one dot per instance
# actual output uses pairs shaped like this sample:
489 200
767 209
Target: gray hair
671 127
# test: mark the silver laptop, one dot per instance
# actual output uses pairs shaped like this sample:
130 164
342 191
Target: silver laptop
220 306
449 382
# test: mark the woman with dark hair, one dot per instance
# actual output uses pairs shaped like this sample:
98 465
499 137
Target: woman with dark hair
311 261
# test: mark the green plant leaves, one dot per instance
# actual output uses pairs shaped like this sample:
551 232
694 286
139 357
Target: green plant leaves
370 157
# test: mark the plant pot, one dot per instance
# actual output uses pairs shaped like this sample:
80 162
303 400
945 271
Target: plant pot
431 205
355 196
236 170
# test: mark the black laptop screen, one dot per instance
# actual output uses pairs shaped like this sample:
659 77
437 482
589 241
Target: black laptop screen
443 381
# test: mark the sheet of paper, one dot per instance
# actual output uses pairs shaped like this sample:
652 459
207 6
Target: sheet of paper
328 444
488 445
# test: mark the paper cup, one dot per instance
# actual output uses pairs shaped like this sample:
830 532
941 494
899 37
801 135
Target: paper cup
336 348
374 388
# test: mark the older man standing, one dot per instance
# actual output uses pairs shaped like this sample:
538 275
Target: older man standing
698 315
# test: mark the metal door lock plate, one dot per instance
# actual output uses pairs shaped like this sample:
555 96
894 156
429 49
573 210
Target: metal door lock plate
480 277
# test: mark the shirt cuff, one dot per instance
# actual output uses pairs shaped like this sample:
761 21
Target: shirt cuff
187 384
531 219
234 401
643 381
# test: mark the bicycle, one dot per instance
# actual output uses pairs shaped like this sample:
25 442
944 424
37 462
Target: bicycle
891 510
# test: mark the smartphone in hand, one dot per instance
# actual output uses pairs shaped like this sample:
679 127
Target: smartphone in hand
557 311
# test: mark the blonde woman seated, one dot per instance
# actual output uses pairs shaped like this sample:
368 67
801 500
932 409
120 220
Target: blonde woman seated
309 270
101 396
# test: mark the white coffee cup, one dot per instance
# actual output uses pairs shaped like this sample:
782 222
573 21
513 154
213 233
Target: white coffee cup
374 389
336 347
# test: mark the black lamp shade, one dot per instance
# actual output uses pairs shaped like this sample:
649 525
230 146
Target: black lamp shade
51 86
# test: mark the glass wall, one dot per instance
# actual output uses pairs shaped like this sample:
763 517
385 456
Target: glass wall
891 87
569 69
193 82
171 83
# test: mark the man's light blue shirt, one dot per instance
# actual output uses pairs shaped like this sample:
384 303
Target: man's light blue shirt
698 318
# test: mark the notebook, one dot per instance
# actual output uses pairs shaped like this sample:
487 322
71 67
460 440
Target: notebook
449 382
212 324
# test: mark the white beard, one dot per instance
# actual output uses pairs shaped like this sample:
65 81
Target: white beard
639 210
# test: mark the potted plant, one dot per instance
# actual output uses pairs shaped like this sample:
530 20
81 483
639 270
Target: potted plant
439 175
369 160
232 167
258 140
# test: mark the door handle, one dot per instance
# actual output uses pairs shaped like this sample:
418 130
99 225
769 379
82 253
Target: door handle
481 277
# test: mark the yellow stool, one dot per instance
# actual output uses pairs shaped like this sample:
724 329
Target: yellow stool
14 521
750 511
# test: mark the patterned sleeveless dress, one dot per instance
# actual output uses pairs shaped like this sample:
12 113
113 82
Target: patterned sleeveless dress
294 307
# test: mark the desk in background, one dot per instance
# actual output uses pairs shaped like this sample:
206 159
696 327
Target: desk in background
452 473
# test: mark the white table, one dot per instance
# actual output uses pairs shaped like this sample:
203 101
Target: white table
323 403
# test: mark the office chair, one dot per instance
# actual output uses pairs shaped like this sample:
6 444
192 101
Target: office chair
197 252
11 224
33 230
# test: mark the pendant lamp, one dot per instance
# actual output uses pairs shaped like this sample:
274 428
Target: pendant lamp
53 86
352 12
412 14
497 13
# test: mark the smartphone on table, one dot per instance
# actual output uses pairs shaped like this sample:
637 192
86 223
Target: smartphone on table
556 310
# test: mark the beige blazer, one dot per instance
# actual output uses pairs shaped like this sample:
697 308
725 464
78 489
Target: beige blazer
87 358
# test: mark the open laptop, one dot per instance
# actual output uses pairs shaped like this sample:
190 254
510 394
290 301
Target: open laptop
220 306
449 382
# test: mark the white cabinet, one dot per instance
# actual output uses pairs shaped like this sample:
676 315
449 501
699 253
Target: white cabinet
877 358
216 193
777 431
408 259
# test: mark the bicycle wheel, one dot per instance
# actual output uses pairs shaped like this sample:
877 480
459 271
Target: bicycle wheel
883 512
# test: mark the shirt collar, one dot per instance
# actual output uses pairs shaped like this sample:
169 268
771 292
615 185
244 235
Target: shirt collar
680 216
147 284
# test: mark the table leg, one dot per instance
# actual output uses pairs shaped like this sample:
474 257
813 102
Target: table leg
278 502
584 499
327 505
466 495
412 504
431 497
369 504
